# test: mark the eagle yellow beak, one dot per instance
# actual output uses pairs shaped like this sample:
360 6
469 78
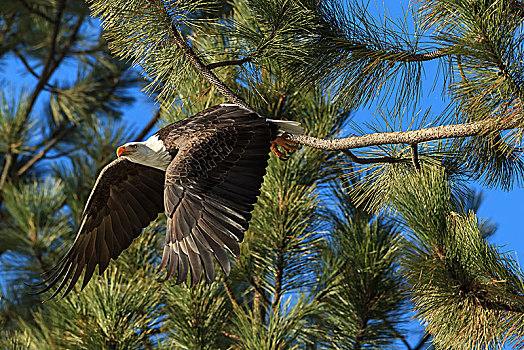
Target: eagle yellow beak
123 151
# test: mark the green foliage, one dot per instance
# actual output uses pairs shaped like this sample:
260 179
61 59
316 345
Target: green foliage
462 286
15 128
360 269
197 318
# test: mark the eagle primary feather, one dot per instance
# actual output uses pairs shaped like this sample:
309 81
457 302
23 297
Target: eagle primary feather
204 172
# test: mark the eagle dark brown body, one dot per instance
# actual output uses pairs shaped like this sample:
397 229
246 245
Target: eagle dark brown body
204 172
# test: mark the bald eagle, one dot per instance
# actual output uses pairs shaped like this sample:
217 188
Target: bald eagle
204 172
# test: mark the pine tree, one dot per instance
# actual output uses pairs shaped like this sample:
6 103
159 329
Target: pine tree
342 246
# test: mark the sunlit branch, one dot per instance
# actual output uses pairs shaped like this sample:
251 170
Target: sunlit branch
407 137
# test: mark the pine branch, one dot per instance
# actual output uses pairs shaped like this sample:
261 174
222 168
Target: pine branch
46 149
36 11
200 67
51 64
47 70
408 137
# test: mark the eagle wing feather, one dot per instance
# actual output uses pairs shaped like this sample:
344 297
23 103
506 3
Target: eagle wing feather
126 197
211 187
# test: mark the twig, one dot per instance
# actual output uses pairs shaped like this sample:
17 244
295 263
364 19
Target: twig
44 150
148 127
5 171
30 69
229 335
48 65
260 291
358 160
229 63
423 341
428 56
230 295
87 51
397 333
414 156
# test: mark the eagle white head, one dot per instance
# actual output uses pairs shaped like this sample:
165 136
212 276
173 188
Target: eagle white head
146 153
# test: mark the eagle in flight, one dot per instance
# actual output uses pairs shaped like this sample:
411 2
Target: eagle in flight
204 172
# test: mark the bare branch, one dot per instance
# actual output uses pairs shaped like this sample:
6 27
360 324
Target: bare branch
423 341
414 156
229 63
44 150
408 137
358 160
31 70
5 171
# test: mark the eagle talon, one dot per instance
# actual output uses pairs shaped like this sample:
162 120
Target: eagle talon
285 144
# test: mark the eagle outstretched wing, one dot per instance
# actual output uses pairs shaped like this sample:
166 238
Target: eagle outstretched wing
219 159
211 187
126 197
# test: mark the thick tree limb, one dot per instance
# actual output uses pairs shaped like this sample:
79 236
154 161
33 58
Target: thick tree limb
408 137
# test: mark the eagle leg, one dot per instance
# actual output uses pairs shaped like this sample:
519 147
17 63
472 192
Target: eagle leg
284 143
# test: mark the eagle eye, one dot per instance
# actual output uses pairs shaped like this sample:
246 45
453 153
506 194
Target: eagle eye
134 146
